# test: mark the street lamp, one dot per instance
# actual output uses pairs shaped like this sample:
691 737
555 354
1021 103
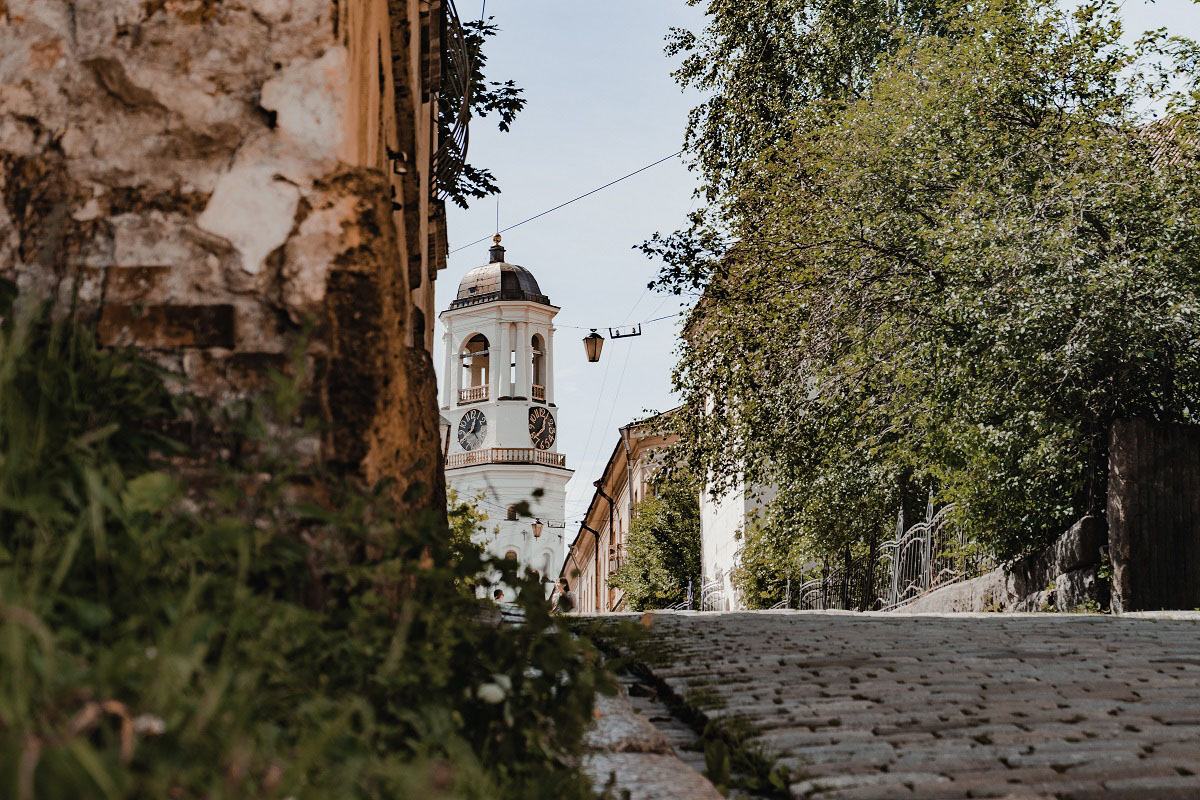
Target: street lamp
537 528
593 343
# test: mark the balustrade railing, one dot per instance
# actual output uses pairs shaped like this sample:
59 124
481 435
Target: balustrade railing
506 455
473 394
539 393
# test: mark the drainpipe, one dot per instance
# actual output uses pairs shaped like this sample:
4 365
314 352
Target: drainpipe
628 471
565 571
612 533
596 560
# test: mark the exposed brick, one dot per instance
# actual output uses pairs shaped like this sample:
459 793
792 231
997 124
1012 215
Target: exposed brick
168 326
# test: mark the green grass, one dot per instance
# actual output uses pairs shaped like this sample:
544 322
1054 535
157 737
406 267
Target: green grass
260 628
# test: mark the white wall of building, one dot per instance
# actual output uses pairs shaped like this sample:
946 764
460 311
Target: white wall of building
723 522
504 485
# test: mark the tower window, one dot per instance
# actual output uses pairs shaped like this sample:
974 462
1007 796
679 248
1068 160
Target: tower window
512 512
539 357
475 358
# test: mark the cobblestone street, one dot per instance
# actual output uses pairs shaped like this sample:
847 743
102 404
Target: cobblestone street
892 706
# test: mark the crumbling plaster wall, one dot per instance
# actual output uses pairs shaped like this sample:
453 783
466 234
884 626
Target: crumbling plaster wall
207 180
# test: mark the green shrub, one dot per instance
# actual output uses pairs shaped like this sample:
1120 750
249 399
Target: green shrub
174 629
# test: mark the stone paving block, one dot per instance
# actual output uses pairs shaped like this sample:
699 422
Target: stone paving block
1067 701
868 793
858 752
1155 784
1065 759
889 781
618 729
836 768
939 791
649 776
1131 794
1059 786
804 737
1103 771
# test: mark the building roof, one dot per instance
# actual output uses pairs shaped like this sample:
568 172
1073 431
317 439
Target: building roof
498 280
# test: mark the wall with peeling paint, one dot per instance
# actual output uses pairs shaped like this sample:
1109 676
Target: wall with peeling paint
207 180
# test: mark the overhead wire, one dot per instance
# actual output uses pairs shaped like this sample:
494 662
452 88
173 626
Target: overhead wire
621 325
569 202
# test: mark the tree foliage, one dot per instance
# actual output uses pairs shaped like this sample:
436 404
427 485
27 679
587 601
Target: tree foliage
466 522
663 546
952 278
486 97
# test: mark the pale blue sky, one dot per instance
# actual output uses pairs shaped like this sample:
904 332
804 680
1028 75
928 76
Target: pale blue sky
601 103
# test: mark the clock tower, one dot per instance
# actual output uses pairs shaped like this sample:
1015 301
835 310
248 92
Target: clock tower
498 401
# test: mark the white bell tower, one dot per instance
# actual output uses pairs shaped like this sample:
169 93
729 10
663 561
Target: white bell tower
498 398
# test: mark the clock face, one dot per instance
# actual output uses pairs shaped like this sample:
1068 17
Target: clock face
541 428
472 429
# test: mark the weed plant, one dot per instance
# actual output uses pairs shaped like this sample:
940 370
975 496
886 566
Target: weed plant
261 628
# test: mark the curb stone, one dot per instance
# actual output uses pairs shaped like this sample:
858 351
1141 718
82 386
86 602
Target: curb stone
626 747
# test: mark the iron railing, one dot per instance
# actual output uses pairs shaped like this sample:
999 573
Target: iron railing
684 604
924 557
927 556
712 595
455 98
786 602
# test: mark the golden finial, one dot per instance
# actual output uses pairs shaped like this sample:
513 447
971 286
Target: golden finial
496 239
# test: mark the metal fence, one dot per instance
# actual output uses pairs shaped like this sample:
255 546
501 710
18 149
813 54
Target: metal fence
711 598
921 558
925 557
686 603
712 595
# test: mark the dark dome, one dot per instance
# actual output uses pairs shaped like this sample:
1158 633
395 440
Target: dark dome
498 280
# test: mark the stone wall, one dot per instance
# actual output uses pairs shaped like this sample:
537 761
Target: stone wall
1154 515
209 179
1066 577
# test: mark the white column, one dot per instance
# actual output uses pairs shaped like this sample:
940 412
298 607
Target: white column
496 374
549 365
447 362
509 378
456 370
523 365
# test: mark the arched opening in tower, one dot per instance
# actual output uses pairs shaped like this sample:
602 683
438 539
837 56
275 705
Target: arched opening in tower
476 370
539 367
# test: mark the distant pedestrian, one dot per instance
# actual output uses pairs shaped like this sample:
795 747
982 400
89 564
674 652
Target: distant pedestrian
566 598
